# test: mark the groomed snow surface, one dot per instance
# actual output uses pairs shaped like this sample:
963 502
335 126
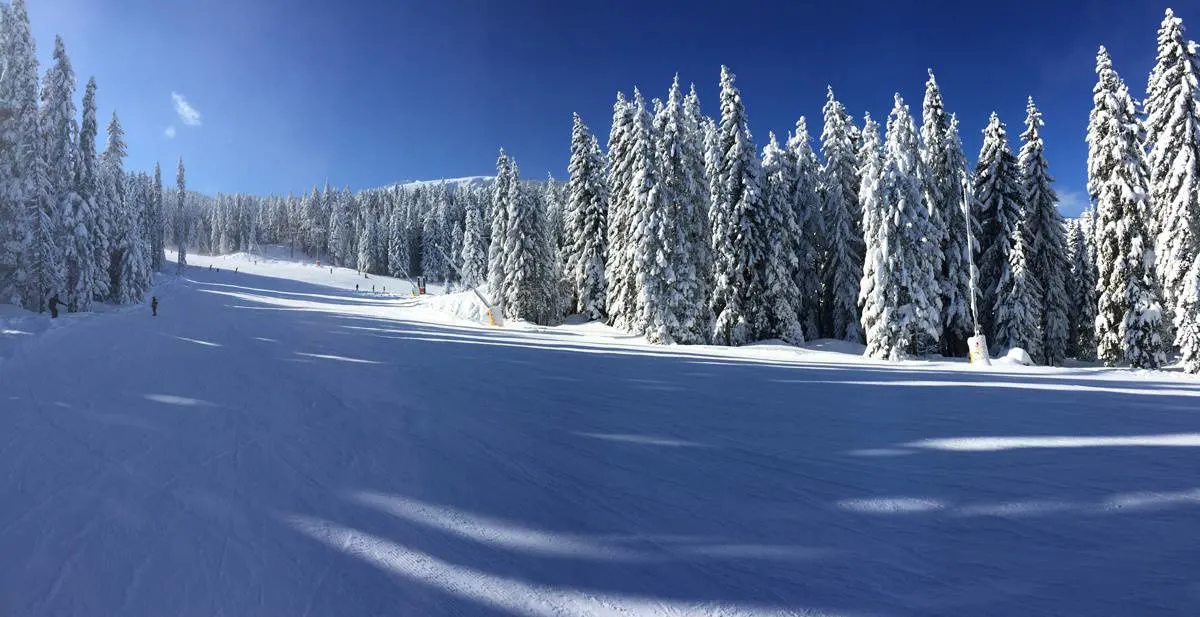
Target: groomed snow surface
275 443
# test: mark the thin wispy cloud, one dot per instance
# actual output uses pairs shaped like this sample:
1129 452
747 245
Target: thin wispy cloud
170 132
187 114
1072 203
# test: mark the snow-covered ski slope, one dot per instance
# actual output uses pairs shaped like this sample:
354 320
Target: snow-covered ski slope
273 446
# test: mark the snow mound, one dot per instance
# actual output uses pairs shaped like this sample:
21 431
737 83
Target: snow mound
1016 356
464 305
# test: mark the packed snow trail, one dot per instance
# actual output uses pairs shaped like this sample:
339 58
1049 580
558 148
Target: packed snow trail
270 447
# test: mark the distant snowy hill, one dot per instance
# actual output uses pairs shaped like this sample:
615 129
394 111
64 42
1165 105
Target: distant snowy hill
466 182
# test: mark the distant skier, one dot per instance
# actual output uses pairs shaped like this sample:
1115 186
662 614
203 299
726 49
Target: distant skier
356 287
154 306
54 302
235 270
210 267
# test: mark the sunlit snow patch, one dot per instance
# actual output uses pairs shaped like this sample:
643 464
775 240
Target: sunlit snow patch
645 440
198 341
993 444
337 358
170 399
890 505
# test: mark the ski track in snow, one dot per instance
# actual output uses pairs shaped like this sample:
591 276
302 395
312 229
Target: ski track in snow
274 443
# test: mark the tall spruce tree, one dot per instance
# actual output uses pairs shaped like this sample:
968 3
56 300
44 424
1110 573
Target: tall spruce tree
1188 334
123 259
739 195
811 232
908 236
182 222
73 215
1017 296
1045 234
655 232
839 190
501 196
399 257
1173 142
158 222
945 195
699 233
999 200
529 275
20 270
620 302
587 223
778 303
681 224
1128 321
878 291
98 216
474 250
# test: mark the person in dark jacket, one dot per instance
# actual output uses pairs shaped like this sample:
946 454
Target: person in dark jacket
154 306
54 302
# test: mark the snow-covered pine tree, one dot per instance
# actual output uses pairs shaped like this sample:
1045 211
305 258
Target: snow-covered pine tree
529 282
733 246
957 320
810 241
140 277
621 298
1173 140
656 235
587 223
1045 236
72 215
906 234
842 274
699 233
19 269
1074 296
98 217
1129 320
945 164
182 224
434 243
474 250
122 258
341 228
502 192
368 237
677 279
555 212
1015 311
158 222
398 242
877 295
48 272
1087 278
1188 334
777 299
999 200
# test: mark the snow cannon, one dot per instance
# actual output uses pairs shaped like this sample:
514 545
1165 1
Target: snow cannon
978 351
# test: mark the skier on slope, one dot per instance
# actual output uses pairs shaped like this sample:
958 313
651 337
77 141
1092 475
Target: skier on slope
154 306
54 302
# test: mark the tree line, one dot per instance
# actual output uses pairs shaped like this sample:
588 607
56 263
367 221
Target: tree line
76 226
681 229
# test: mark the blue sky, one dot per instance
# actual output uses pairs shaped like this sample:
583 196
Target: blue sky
290 92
